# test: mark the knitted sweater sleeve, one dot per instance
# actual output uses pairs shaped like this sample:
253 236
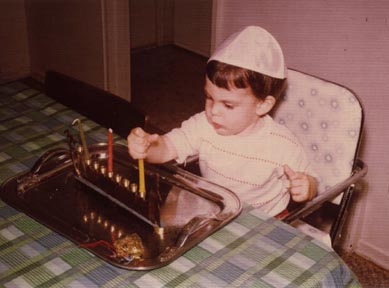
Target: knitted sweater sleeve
186 139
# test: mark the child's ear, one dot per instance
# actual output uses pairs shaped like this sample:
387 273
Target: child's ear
266 105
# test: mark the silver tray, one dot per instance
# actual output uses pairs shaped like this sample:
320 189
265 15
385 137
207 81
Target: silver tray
101 213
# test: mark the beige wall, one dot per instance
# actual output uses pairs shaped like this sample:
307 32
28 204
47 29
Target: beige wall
185 23
116 47
151 23
346 42
87 40
165 20
192 25
143 22
14 57
66 36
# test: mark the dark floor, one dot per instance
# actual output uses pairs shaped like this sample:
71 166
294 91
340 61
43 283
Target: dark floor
167 84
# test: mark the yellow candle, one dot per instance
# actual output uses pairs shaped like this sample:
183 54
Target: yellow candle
142 184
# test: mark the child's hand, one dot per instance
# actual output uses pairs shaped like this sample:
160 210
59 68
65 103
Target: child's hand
303 187
139 143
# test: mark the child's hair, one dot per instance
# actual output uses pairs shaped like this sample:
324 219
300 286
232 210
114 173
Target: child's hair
229 76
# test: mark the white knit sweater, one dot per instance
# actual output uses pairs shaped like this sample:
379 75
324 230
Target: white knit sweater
249 165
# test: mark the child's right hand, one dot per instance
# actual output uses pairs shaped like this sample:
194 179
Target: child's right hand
139 142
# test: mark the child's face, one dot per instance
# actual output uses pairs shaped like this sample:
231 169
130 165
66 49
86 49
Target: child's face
230 112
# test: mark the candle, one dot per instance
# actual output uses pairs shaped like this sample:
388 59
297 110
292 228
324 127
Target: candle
96 165
126 183
82 138
110 154
118 178
134 187
142 184
160 232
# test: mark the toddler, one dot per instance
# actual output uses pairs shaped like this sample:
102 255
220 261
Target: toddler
238 144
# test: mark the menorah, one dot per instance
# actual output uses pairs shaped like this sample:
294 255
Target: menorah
123 181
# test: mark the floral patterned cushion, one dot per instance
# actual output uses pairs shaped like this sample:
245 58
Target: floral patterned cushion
327 118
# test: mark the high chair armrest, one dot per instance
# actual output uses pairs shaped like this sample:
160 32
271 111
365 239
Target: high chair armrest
305 209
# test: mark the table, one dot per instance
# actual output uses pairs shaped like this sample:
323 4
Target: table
252 251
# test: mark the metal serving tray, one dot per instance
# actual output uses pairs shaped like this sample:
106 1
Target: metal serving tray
99 212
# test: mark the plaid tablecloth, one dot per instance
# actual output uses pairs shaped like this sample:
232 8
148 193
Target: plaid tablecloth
252 251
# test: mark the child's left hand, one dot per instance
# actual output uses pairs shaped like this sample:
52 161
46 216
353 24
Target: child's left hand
303 187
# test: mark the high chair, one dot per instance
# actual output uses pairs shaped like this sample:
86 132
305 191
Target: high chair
328 119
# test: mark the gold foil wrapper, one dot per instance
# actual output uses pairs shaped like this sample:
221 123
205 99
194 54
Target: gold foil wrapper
130 245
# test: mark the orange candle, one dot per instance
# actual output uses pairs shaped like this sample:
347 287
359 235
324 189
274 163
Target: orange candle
110 151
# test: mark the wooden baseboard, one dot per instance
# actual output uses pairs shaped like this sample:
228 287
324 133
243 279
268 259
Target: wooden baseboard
186 47
373 254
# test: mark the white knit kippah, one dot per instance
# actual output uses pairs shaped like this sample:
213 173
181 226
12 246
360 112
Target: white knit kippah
252 48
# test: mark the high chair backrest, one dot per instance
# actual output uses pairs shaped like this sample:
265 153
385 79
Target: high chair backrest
327 118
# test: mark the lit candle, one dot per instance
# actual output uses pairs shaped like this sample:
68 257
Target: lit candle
96 165
134 187
142 184
118 178
110 153
160 232
126 183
